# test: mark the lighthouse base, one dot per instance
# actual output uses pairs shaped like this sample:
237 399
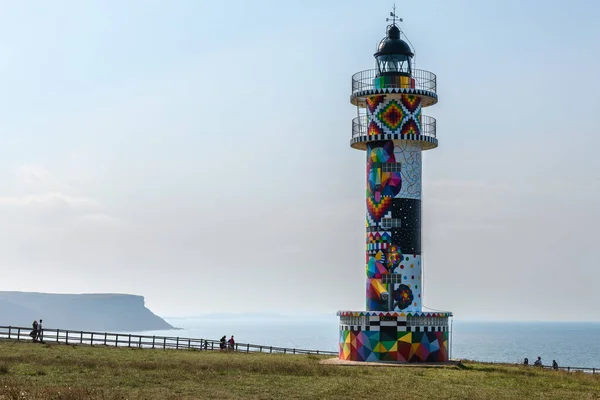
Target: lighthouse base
373 336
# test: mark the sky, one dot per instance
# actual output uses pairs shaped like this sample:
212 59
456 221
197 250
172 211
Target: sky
197 153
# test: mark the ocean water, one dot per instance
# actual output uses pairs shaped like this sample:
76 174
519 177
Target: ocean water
573 344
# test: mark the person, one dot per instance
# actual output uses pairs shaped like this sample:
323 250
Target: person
538 362
526 362
222 343
554 364
205 344
39 336
33 333
231 343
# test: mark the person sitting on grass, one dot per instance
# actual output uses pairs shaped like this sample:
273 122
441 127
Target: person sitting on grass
554 364
34 333
538 362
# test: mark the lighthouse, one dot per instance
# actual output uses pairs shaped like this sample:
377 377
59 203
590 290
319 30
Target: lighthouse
392 130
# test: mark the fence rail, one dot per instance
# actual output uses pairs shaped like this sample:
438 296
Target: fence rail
66 336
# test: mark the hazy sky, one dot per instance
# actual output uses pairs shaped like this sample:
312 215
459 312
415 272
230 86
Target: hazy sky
197 153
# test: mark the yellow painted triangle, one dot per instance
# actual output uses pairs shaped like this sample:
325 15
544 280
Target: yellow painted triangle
406 338
413 349
394 347
380 348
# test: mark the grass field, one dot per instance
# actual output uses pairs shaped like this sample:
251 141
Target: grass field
55 371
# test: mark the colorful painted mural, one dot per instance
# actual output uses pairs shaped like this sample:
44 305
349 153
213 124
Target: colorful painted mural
390 344
395 81
399 114
393 237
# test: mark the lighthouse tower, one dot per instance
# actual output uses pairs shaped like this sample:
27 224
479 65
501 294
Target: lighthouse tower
392 130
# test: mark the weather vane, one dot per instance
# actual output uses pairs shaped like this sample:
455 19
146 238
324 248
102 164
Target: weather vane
394 16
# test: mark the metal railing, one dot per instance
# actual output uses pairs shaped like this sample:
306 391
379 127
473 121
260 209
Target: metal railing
66 336
363 80
361 128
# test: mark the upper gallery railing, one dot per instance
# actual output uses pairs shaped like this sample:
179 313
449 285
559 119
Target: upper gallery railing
369 79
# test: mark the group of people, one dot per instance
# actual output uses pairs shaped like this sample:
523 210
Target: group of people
538 363
36 333
227 344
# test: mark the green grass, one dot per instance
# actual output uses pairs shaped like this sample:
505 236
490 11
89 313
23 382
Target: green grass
55 371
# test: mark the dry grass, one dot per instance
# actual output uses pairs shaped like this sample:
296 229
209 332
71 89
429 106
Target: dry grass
35 371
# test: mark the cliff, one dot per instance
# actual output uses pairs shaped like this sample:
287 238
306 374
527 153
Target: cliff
91 312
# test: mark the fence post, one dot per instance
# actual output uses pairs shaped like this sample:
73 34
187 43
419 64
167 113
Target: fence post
105 338
212 345
116 340
569 369
129 342
294 351
67 337
189 345
248 348
317 352
18 334
164 343
9 329
92 339
153 341
271 349
57 334
284 351
177 347
593 371
81 337
260 349
140 342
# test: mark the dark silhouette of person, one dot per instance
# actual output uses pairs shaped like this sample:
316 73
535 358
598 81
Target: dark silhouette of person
222 343
231 343
526 362
34 332
554 364
538 362
40 334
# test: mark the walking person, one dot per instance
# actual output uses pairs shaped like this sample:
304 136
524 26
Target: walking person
40 334
231 343
33 333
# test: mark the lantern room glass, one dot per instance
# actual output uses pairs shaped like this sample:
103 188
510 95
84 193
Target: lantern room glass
399 64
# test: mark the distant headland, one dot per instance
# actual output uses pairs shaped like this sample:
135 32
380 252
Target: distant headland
94 312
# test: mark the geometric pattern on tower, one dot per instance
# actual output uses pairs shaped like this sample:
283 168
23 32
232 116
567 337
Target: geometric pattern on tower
390 344
400 115
382 186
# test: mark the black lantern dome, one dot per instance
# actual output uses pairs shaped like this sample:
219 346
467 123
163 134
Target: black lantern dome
393 54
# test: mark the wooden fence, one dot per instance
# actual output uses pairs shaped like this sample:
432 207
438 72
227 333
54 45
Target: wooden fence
175 343
65 336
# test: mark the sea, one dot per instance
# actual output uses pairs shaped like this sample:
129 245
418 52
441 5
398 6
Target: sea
573 344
